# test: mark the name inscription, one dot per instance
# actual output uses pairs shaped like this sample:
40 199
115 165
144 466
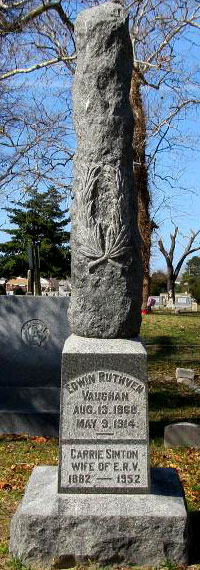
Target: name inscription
116 466
104 433
104 404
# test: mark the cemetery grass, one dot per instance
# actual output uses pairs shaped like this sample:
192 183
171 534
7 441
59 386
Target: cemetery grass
168 402
172 341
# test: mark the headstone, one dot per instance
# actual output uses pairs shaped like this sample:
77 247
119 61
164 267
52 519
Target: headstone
185 373
106 270
190 383
194 306
32 335
183 302
103 509
182 434
53 530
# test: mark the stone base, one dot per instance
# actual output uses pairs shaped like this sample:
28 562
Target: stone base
50 529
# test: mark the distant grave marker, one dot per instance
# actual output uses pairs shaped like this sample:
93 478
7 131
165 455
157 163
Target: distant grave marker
182 434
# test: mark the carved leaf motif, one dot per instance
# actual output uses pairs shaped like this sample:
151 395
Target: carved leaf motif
116 242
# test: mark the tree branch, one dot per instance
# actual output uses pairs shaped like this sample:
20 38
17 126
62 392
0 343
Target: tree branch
187 252
18 24
162 249
14 5
173 243
36 66
64 17
181 106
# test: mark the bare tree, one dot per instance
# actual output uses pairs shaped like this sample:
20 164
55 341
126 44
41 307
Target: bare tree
35 141
141 179
36 129
156 27
172 272
38 42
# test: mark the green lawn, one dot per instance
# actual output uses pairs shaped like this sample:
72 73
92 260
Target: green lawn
164 328
172 341
168 402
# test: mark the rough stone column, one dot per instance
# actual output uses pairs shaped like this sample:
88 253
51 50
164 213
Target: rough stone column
106 259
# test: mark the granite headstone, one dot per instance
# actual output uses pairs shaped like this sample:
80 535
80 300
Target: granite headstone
104 425
32 335
182 434
185 373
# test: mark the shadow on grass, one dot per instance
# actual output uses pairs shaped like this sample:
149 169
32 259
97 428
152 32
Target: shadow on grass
166 399
175 315
161 340
156 428
163 347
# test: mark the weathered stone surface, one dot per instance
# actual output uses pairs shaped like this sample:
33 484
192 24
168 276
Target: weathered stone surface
182 434
106 261
103 424
185 373
32 335
148 530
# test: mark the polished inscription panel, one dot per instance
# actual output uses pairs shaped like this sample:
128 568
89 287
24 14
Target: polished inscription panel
104 433
102 404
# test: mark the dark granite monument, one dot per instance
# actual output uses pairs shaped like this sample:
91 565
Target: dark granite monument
99 505
32 335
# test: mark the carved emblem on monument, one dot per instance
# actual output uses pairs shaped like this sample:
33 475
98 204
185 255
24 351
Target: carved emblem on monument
100 242
35 332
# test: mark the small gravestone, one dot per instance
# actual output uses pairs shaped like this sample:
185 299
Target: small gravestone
182 434
185 373
102 507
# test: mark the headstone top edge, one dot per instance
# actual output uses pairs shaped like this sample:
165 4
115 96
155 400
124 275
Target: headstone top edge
86 345
178 424
101 12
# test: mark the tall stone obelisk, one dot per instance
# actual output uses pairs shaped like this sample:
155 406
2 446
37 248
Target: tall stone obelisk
99 507
104 373
106 249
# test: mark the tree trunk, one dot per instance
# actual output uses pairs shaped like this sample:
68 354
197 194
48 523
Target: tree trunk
171 284
30 278
141 176
145 291
37 285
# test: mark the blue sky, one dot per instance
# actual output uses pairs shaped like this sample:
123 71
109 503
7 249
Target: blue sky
182 202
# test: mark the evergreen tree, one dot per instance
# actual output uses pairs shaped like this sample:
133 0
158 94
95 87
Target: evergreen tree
193 266
192 277
39 225
158 282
